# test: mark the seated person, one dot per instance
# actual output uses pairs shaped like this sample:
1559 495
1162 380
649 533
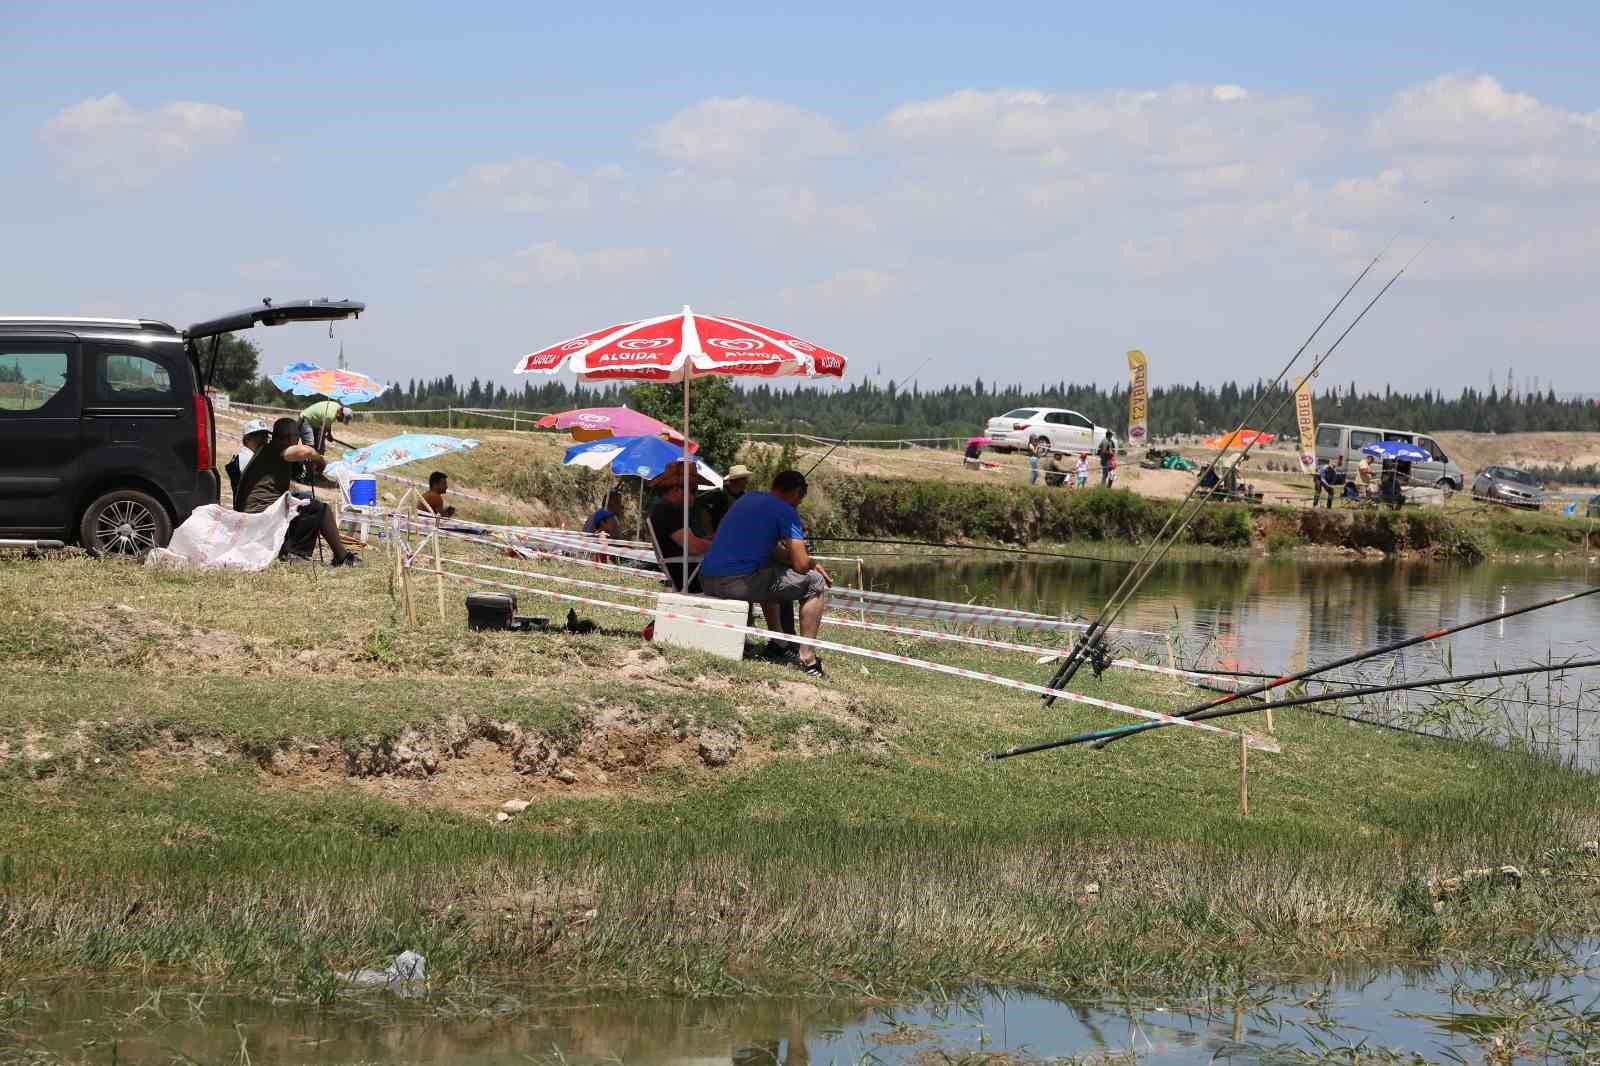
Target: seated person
717 501
666 519
604 520
271 474
255 437
438 485
739 565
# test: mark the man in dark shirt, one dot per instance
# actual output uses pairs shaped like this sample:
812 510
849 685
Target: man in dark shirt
271 474
666 519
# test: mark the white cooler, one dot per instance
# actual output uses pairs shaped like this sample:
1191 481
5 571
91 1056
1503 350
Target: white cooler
727 643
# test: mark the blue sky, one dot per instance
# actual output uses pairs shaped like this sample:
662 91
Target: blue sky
1022 191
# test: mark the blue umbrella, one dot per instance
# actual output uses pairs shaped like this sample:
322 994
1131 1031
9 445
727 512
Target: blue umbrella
396 451
1397 450
644 457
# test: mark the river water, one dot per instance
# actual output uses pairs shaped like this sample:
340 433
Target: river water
1276 615
1439 1014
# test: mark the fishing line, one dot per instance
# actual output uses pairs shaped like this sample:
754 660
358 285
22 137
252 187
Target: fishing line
972 548
1435 634
894 387
1159 545
1098 736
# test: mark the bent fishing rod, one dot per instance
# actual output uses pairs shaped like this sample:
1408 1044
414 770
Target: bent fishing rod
1311 672
1100 737
1093 637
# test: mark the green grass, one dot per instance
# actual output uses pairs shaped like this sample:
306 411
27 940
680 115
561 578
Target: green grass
855 841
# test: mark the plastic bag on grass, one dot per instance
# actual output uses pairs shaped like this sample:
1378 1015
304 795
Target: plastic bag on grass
216 538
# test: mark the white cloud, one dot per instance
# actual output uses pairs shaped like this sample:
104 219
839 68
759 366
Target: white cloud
551 263
745 133
526 186
846 290
115 144
1478 113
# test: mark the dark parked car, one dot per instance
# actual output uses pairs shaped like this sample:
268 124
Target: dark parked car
106 431
1508 485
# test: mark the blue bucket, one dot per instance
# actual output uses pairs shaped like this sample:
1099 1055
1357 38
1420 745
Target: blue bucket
364 491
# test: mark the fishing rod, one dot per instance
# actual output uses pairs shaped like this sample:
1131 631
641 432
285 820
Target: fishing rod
1099 737
973 548
896 387
1093 637
1310 672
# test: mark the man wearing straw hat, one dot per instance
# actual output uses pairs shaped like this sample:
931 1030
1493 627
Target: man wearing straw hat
716 502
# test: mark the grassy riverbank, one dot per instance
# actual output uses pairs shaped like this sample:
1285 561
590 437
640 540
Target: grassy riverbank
269 778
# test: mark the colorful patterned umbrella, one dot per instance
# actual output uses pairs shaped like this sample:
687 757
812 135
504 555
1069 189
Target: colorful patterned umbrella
345 386
396 451
597 423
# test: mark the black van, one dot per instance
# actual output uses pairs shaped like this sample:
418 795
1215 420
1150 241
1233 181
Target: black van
106 431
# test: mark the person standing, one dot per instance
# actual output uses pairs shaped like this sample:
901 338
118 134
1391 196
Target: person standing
1329 476
1033 468
1108 448
1082 470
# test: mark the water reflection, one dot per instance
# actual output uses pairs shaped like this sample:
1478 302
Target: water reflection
1436 1013
1275 616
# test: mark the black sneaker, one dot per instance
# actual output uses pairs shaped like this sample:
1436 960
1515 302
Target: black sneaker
814 668
776 651
350 559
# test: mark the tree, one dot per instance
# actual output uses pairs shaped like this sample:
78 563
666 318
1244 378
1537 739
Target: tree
715 416
237 363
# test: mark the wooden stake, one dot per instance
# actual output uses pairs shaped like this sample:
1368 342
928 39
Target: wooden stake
1172 660
1267 695
438 568
1244 775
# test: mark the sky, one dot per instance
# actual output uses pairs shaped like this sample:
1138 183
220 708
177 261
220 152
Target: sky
1020 192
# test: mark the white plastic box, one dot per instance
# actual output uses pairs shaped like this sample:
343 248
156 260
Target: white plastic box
728 643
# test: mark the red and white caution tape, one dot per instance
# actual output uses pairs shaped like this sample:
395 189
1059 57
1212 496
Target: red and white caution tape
1264 744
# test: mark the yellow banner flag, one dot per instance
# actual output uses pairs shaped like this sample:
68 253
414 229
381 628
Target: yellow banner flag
1138 397
1308 428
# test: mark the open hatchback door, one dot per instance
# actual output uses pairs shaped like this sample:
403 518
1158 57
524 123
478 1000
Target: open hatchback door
269 313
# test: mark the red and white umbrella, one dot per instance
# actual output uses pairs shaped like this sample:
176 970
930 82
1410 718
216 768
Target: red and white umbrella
671 346
683 346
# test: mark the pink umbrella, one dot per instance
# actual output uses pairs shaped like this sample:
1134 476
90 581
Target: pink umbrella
593 423
683 346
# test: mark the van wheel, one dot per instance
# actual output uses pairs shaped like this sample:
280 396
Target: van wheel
1447 486
125 522
1041 446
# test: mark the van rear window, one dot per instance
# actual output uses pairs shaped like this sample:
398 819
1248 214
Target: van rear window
131 379
1021 413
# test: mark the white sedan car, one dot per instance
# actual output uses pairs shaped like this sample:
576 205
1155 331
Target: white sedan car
1042 430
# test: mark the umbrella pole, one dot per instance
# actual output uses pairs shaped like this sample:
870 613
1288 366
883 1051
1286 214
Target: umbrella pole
686 475
638 519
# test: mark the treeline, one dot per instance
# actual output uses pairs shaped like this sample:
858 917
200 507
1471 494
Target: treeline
868 410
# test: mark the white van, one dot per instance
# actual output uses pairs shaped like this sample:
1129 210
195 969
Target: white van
1334 439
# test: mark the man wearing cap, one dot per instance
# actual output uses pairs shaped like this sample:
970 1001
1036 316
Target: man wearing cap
252 440
318 420
740 564
716 502
666 522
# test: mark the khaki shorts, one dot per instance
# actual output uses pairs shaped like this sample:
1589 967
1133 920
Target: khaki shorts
774 583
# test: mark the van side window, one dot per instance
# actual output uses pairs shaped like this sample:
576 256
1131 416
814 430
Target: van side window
33 379
127 378
1433 449
1360 438
1327 436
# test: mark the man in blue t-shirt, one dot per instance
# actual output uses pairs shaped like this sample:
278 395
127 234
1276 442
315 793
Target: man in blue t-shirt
759 555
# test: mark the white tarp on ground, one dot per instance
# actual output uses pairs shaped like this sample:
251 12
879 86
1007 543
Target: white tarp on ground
216 538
